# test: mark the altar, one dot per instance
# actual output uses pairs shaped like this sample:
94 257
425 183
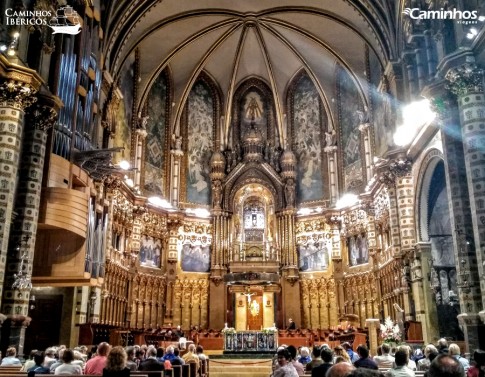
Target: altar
250 341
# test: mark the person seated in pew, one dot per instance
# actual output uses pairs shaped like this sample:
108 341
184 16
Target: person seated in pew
191 356
11 358
177 360
30 362
200 352
151 362
385 360
400 369
116 363
130 358
322 369
365 361
38 368
96 364
67 367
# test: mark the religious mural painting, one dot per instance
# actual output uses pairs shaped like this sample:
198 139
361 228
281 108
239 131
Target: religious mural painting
122 137
156 124
314 256
308 140
350 105
358 249
199 142
195 258
381 107
314 246
150 251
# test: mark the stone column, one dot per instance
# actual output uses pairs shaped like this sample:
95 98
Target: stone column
333 172
424 305
176 155
141 134
40 117
18 86
364 129
373 326
460 214
466 82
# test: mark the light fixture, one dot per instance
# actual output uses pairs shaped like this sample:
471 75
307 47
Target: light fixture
3 48
125 165
347 200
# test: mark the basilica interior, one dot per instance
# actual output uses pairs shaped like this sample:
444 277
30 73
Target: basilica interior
237 164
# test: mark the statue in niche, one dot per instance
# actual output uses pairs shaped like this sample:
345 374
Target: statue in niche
364 117
143 121
177 142
217 194
290 192
275 158
330 139
228 155
267 151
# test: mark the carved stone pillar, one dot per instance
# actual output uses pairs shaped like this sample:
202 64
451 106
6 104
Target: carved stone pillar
466 82
18 86
424 304
40 117
141 134
333 172
176 155
394 174
457 176
364 129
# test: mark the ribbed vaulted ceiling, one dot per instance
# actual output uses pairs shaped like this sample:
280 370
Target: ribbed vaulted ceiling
234 40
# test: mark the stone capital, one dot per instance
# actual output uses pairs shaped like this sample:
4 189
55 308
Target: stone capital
18 84
465 79
43 113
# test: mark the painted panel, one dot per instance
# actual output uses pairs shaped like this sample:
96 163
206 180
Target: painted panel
358 249
314 256
156 135
150 251
308 145
199 146
350 103
195 258
122 136
381 107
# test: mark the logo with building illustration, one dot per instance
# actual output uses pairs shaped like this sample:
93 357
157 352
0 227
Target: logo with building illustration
66 21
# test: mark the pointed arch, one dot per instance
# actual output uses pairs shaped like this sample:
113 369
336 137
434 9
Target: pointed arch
267 124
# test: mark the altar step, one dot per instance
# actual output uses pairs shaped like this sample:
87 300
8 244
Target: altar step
239 367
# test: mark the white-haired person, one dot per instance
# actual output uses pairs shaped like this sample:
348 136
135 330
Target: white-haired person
305 357
454 351
430 351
